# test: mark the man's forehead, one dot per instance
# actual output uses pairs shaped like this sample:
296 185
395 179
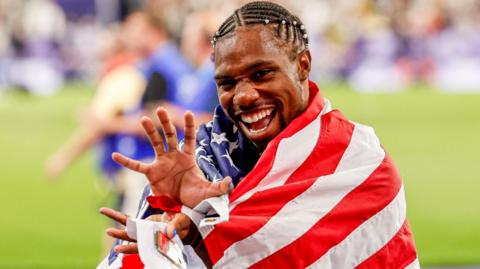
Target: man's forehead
246 45
249 37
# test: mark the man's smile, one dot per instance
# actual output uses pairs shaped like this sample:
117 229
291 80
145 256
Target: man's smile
256 123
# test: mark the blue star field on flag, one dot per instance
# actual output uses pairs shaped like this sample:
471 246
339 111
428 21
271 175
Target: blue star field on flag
222 150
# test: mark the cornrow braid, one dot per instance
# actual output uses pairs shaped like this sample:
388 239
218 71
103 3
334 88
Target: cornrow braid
288 27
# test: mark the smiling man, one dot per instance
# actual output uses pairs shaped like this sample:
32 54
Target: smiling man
262 77
306 187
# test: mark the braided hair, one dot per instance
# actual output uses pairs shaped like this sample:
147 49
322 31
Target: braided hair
287 27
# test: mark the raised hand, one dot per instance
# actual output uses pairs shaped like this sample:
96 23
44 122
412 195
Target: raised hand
174 172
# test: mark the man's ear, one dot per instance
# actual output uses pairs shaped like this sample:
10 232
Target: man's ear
304 64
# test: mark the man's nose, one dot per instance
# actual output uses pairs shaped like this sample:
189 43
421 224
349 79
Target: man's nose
245 94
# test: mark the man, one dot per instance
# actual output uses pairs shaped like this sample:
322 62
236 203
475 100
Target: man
308 188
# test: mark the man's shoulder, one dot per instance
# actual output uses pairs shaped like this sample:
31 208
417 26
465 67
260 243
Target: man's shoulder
336 125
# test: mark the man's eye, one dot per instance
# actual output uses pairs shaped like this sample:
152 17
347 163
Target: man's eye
226 84
262 73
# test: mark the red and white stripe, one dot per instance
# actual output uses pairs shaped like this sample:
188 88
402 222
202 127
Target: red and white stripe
323 195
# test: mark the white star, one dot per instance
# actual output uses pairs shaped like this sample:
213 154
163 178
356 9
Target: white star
198 150
232 146
209 124
219 138
202 143
235 129
207 158
227 156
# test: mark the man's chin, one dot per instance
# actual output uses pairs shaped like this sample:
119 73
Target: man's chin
260 138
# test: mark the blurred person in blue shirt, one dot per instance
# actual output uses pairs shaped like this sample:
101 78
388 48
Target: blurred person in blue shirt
183 80
198 91
162 67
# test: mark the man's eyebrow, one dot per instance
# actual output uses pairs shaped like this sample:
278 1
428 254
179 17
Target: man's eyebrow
221 77
258 63
254 65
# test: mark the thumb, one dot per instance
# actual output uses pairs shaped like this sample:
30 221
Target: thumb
219 188
171 229
180 223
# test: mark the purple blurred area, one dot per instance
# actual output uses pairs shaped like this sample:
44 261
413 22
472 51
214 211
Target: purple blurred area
375 46
77 8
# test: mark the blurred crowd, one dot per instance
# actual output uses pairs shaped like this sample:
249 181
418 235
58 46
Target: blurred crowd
374 45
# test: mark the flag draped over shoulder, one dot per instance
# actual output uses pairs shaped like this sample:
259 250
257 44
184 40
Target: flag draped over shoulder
324 194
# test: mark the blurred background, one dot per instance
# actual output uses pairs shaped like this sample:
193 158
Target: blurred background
76 75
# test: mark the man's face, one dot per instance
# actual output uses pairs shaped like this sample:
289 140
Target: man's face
260 88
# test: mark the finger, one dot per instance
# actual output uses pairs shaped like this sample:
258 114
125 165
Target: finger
127 249
171 230
159 217
168 129
181 224
189 129
130 163
119 234
218 188
153 135
114 215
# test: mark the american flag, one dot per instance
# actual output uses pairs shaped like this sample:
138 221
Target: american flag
324 194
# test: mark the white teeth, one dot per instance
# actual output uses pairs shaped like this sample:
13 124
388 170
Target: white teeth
259 130
257 116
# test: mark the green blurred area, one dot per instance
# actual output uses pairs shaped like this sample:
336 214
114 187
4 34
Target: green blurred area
433 137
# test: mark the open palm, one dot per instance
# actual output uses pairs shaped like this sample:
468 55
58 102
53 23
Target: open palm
174 172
